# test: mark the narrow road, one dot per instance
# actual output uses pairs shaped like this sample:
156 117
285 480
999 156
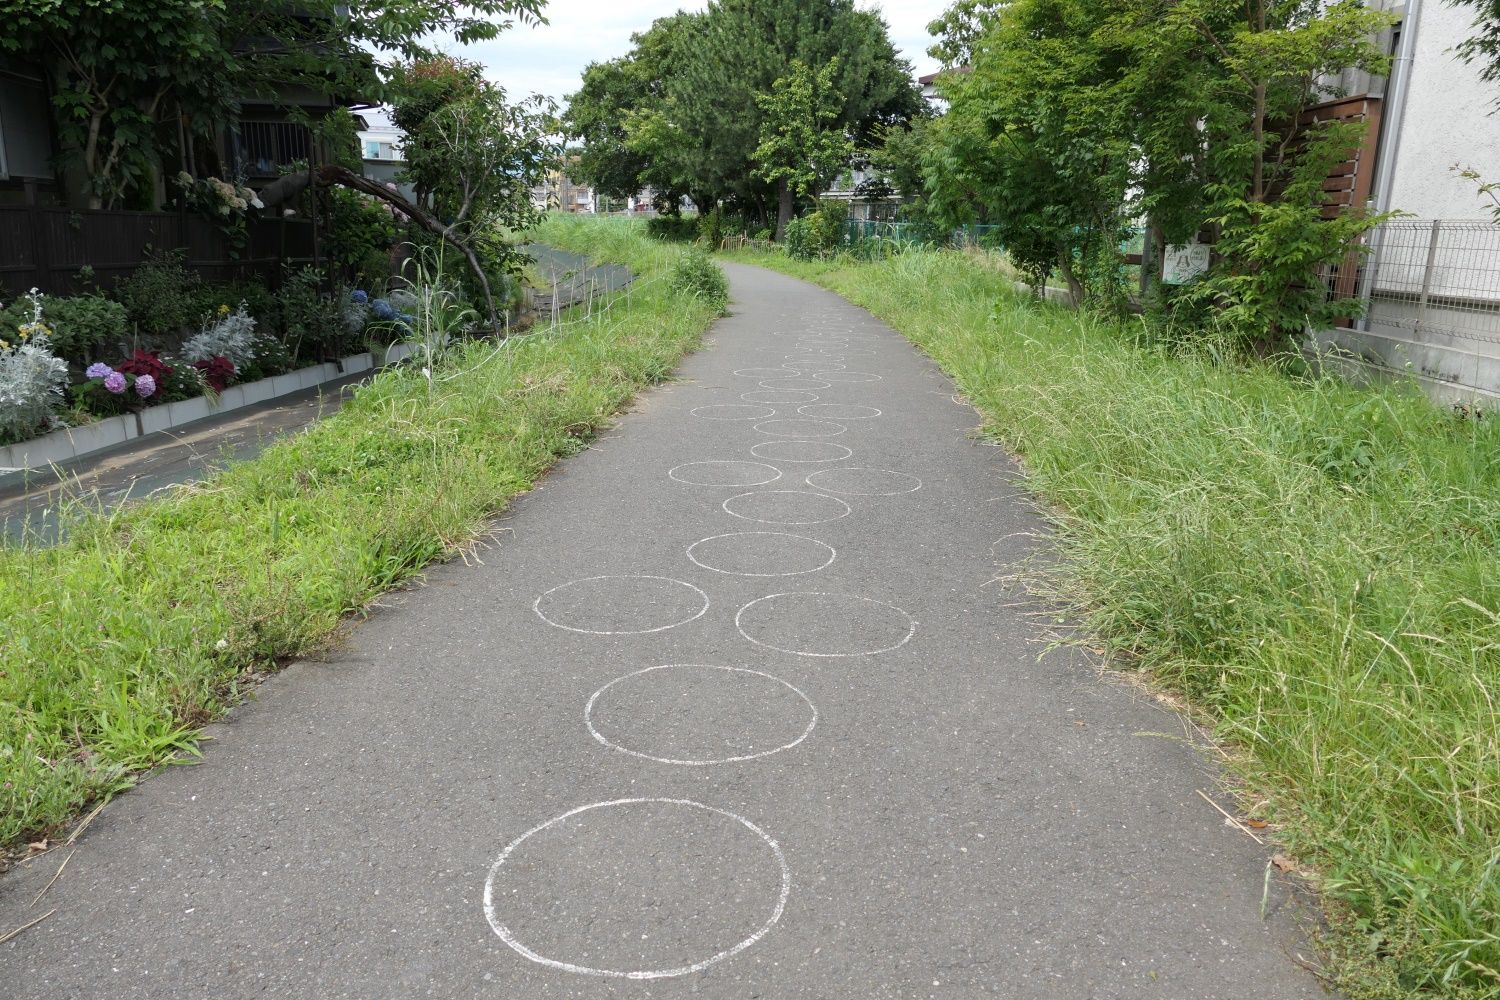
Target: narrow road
738 705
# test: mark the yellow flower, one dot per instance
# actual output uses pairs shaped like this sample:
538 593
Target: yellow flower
4 345
223 310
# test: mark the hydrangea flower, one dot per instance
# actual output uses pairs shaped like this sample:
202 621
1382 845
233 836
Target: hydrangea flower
98 370
145 386
383 309
359 296
114 382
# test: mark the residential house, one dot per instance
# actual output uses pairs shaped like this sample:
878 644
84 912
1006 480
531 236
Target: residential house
1432 280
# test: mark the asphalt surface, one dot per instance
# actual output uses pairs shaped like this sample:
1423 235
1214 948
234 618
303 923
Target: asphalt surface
769 728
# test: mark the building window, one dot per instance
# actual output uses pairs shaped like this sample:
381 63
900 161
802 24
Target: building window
269 146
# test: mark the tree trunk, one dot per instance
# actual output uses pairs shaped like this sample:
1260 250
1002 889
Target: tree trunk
1075 287
291 185
783 208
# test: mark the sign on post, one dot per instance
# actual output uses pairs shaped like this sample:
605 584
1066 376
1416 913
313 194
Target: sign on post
1184 262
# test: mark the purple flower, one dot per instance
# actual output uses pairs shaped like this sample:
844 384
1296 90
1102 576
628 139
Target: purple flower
98 370
145 385
114 382
360 296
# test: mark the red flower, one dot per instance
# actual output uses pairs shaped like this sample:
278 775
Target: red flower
145 363
217 371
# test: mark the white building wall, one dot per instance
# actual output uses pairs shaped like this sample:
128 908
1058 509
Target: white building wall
1447 121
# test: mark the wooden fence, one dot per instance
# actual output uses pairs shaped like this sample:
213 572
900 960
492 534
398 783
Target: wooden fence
46 248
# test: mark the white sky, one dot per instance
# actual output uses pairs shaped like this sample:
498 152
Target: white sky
550 60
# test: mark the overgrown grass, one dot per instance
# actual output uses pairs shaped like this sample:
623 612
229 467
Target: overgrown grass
1316 564
119 644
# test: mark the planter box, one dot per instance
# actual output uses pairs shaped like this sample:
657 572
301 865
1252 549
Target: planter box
155 418
312 377
283 384
231 398
399 352
257 392
356 363
60 446
188 410
104 433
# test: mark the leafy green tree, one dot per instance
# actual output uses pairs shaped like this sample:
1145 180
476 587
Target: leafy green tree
1484 45
628 141
1033 136
119 69
742 48
126 74
802 148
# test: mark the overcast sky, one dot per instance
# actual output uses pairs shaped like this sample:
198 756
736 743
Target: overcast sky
550 60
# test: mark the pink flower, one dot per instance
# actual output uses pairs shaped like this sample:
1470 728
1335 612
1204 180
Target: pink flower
114 382
145 386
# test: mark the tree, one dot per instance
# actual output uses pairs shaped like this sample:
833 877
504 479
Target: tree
132 80
1484 45
119 70
739 51
628 141
802 149
1032 136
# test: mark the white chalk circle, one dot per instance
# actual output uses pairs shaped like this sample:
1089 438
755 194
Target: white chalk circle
839 411
724 474
847 376
733 411
794 507
762 553
864 482
621 605
694 712
809 623
779 396
540 867
806 451
792 427
815 362
792 382
814 365
767 372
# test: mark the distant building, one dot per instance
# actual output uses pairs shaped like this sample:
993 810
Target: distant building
560 193
380 149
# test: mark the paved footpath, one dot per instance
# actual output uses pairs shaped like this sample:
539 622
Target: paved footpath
734 707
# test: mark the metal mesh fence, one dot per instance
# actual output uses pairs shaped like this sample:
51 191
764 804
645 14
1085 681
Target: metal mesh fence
1429 279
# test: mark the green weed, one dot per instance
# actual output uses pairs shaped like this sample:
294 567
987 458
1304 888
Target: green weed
1314 563
119 644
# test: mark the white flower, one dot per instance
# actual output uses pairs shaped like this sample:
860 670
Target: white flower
255 202
221 645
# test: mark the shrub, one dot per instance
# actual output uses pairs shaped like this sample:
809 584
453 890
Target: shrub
162 297
127 386
80 325
711 228
313 320
230 335
675 228
360 238
31 379
696 274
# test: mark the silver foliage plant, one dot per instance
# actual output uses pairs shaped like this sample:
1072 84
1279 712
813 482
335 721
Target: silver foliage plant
32 378
229 336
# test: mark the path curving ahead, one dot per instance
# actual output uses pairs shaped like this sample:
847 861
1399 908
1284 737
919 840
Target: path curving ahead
735 707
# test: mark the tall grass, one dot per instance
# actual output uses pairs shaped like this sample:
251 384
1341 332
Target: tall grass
1316 564
116 646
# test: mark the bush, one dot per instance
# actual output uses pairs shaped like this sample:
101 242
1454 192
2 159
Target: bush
817 234
675 228
163 299
711 229
230 335
314 320
31 379
696 274
361 234
82 326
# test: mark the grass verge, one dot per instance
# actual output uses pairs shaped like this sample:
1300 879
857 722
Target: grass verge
1315 564
117 646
